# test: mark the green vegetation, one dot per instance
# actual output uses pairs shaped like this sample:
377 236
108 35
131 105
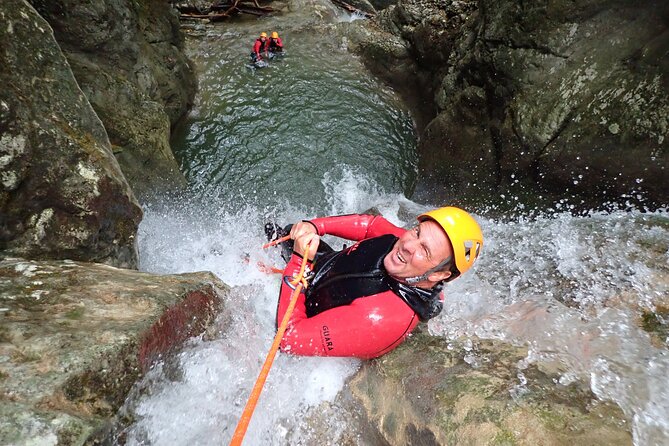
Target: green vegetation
552 418
504 438
72 433
4 336
483 415
656 323
76 313
25 356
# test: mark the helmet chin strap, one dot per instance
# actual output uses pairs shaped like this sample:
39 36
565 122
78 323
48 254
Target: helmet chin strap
423 277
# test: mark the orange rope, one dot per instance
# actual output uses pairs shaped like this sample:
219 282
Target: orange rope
268 268
243 423
276 242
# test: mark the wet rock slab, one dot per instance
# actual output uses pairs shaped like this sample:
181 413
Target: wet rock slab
62 192
75 336
427 393
127 58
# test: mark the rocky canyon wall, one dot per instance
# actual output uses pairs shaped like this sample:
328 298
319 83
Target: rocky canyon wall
544 101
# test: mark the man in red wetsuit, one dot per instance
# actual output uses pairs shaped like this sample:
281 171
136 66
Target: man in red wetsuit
275 44
259 46
364 301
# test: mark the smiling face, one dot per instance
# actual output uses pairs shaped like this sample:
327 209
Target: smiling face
417 251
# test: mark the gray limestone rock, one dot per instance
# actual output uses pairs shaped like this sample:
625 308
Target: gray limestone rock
425 392
62 193
127 57
74 337
550 99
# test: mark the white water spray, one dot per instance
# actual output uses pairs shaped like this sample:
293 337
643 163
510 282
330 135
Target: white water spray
525 290
569 288
572 289
197 398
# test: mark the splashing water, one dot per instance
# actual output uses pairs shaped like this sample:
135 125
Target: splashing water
350 16
573 290
570 288
536 285
198 397
263 145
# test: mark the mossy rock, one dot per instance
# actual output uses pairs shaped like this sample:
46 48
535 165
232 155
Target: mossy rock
656 323
77 339
426 392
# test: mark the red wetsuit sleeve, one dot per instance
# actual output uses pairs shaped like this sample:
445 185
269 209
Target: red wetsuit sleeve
256 47
355 226
279 42
367 328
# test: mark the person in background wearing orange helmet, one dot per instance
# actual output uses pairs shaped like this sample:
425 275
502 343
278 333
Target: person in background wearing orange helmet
275 43
259 46
364 300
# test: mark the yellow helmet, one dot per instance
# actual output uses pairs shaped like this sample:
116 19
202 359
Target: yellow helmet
275 35
263 34
463 232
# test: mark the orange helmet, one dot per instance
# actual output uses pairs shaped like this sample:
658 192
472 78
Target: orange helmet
275 35
463 232
263 34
